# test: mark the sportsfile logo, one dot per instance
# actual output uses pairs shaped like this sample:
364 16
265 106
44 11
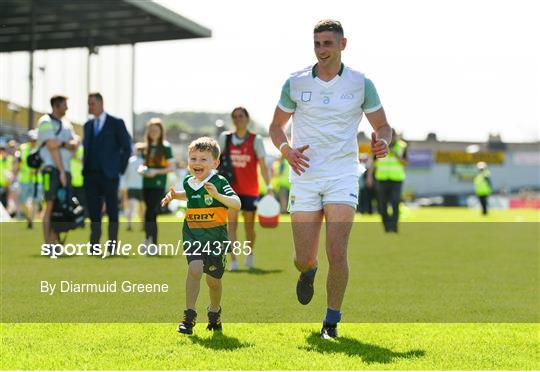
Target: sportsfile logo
118 248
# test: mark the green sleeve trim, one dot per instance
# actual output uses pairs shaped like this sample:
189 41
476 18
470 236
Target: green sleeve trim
285 101
224 187
371 98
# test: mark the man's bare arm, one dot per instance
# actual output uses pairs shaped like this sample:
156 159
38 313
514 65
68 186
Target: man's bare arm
277 128
296 158
382 132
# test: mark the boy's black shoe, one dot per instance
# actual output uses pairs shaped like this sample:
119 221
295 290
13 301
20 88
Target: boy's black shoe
304 288
190 319
329 331
214 321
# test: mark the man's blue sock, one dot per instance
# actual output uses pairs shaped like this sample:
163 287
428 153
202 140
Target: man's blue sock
332 316
310 273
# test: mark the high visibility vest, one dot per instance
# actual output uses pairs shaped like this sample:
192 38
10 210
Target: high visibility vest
281 175
389 168
27 174
77 179
6 167
262 184
481 185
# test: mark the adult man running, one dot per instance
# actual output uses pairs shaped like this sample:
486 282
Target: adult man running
326 102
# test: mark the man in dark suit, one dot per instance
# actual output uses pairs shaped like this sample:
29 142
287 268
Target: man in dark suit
107 148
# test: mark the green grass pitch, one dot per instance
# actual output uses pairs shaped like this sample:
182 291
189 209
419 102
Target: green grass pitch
433 297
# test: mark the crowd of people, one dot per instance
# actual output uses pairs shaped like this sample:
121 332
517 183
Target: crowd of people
110 175
151 169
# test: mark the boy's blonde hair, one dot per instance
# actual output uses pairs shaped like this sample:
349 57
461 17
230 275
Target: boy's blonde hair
205 144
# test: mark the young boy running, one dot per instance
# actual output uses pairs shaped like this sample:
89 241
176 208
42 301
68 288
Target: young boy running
205 239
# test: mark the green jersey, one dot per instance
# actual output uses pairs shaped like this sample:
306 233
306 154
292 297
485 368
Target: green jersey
206 218
152 160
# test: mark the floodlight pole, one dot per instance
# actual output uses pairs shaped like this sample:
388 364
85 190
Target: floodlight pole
133 89
31 72
88 71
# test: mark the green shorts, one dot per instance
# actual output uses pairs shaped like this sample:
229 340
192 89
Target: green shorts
213 264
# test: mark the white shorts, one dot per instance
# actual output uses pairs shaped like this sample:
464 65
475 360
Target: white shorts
313 196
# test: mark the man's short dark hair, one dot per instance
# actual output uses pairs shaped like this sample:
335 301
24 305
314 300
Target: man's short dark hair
57 100
329 25
96 95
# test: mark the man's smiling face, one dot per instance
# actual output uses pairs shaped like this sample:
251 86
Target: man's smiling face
328 46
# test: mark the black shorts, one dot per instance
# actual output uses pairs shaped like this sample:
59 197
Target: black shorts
213 264
135 194
51 182
248 202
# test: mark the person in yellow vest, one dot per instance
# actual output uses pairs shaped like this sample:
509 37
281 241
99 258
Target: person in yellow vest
30 180
389 175
77 178
280 181
6 173
482 185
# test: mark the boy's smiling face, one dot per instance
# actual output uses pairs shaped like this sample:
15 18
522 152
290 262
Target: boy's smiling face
201 163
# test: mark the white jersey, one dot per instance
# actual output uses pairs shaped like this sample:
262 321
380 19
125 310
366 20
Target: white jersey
326 116
132 178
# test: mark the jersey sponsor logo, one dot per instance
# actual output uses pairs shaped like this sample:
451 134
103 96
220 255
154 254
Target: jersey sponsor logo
306 96
347 96
196 196
240 160
206 217
208 200
201 216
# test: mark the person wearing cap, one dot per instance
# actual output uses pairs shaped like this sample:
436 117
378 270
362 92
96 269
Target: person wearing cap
482 185
30 180
59 142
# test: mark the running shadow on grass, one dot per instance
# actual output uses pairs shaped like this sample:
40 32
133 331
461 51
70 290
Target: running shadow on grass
256 271
219 341
368 352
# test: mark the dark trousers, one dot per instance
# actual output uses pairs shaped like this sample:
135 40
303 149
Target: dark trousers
484 203
80 194
367 195
99 189
152 199
389 192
